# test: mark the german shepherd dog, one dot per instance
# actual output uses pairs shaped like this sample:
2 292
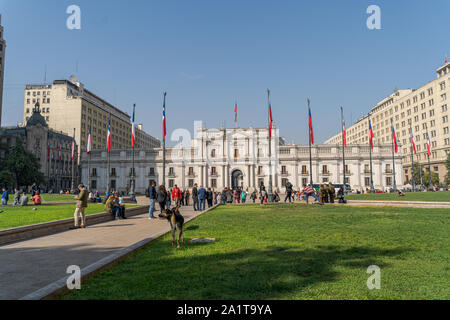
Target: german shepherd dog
176 221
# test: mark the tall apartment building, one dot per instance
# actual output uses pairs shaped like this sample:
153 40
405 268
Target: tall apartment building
418 110
2 66
67 104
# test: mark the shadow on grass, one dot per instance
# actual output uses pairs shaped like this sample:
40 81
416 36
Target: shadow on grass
247 274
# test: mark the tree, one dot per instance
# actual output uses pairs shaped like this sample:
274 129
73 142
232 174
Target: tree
417 174
434 179
23 167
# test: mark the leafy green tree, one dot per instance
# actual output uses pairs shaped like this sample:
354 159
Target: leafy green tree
417 174
23 167
434 179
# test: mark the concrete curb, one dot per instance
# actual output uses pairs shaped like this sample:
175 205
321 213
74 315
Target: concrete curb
59 287
46 228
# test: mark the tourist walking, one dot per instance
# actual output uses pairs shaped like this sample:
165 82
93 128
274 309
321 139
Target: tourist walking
254 196
243 196
80 207
5 197
195 198
176 195
152 195
289 188
16 197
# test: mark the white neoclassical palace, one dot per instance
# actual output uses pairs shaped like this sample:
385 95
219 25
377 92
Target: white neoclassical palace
219 158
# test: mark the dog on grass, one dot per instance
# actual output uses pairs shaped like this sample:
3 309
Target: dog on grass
176 221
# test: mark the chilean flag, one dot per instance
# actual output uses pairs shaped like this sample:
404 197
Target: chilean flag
311 133
271 120
371 135
59 151
164 122
235 113
344 131
108 138
413 143
133 139
88 147
428 145
73 148
394 138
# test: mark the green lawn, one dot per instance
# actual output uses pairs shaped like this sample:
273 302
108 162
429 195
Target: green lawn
441 196
12 217
290 252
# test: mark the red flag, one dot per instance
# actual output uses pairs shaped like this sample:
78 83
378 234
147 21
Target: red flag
235 113
413 143
345 134
164 121
371 135
73 148
428 145
271 120
311 133
108 138
394 138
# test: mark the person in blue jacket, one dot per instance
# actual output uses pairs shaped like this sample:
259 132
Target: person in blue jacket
202 197
5 197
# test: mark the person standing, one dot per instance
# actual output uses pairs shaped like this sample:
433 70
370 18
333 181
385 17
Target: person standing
209 197
152 195
224 196
195 198
16 197
289 188
162 198
254 196
326 193
187 194
243 196
81 205
229 196
202 197
176 195
5 197
332 192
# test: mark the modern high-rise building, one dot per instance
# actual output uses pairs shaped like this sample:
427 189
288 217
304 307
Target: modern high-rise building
67 105
415 111
2 66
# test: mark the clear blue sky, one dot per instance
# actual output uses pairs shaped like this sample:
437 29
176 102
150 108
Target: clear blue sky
206 54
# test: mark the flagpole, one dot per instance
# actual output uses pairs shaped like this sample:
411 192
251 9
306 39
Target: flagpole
310 152
430 186
393 156
270 195
108 182
412 160
73 158
89 158
48 162
164 141
343 148
372 189
132 153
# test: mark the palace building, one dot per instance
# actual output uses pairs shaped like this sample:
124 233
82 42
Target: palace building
219 158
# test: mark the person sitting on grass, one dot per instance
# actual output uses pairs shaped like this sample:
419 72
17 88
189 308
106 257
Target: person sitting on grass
341 195
400 194
37 200
24 200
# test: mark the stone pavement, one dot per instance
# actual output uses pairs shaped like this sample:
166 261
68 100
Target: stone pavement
30 265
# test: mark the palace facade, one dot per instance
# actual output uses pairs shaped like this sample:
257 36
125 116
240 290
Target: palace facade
219 158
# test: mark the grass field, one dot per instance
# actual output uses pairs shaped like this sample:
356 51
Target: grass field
290 252
441 196
12 217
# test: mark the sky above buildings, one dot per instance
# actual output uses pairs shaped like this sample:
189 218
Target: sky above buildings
208 54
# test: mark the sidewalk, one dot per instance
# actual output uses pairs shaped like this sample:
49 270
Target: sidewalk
29 265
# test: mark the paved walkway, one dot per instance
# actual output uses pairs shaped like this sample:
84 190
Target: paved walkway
30 265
